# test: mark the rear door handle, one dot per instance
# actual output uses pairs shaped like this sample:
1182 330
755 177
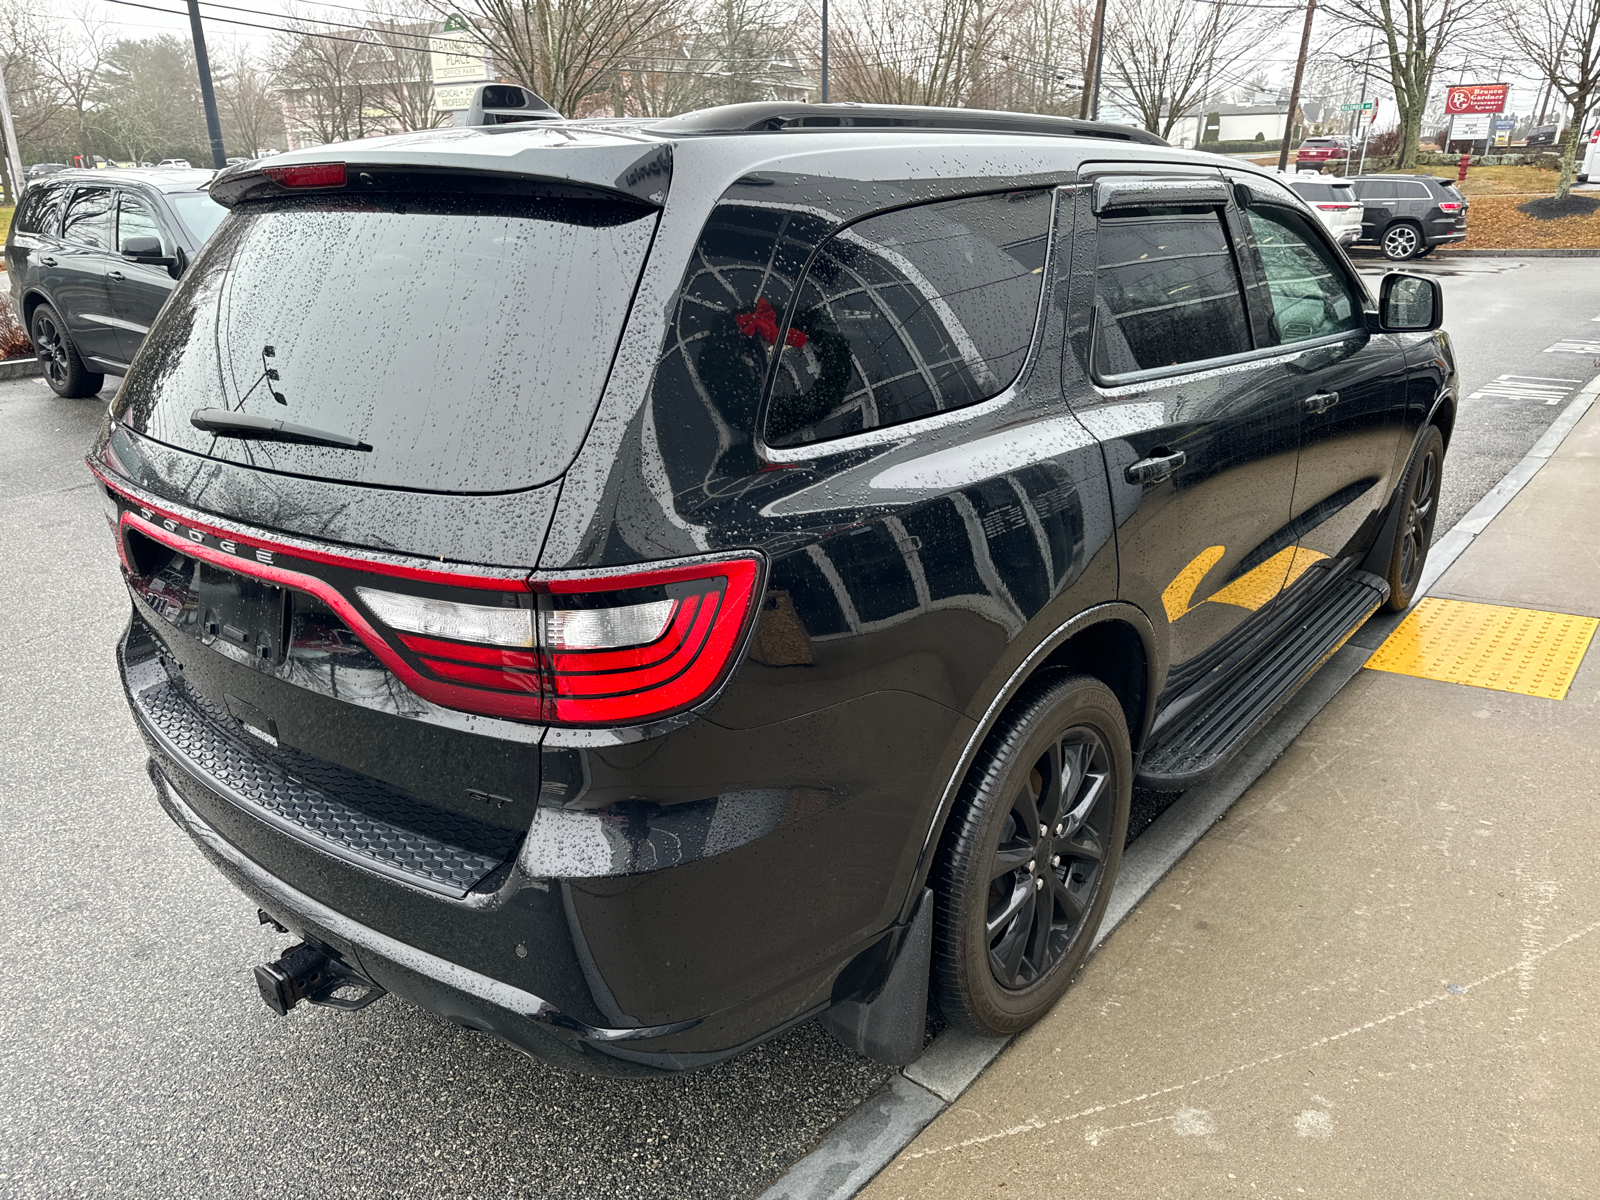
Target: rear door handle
1321 402
1155 468
117 275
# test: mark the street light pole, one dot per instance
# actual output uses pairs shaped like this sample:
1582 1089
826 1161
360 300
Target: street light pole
13 151
208 97
1294 92
1089 108
824 51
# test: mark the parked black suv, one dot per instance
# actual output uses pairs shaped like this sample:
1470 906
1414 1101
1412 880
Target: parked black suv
91 258
632 586
1407 216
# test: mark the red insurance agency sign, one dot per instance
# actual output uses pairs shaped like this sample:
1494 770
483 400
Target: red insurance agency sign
1477 98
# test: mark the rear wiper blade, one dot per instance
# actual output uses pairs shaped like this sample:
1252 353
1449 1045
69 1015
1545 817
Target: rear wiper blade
242 425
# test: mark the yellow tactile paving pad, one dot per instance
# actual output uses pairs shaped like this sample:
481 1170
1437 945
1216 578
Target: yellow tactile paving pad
1520 650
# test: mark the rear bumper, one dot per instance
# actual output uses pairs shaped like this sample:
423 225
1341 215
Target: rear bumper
625 960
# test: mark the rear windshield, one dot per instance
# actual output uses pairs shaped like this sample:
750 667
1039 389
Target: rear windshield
466 340
1314 191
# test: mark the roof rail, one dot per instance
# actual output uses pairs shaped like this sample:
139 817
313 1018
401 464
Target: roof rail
772 116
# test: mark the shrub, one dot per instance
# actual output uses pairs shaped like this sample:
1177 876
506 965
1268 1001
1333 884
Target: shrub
14 341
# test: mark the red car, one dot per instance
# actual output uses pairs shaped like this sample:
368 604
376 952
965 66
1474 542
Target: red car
1320 150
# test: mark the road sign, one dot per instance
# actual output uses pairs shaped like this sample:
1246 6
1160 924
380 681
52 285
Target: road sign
1364 107
1477 98
468 64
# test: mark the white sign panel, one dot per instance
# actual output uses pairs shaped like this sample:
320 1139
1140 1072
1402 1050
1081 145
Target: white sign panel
468 64
453 97
1470 127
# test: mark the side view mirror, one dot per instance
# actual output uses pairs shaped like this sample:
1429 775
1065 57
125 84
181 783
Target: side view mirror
147 250
1409 304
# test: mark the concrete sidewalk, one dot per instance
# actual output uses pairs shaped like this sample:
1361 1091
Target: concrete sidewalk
1374 978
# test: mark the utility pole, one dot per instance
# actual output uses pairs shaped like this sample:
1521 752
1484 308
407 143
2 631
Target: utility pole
824 51
13 151
208 97
1089 107
1294 92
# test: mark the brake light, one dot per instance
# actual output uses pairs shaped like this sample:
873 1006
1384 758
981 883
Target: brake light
620 648
1336 207
1449 206
310 175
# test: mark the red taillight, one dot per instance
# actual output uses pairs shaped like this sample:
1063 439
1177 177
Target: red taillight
311 175
1449 206
1336 207
620 648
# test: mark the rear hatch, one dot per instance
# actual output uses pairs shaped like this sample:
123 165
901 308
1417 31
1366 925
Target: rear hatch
429 343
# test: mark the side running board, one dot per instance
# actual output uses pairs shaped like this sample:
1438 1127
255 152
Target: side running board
1201 739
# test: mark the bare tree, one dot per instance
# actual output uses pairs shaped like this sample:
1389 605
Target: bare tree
323 82
1163 58
400 64
70 61
1414 33
915 51
247 99
566 50
1561 38
1043 54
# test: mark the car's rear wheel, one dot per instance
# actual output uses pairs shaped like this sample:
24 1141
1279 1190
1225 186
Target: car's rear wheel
1030 855
1419 512
64 370
1401 241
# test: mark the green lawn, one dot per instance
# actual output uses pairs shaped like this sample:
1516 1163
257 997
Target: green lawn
5 220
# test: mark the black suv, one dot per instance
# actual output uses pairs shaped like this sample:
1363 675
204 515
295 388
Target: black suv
1407 216
632 586
91 258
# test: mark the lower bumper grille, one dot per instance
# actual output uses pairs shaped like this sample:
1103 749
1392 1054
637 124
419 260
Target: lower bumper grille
350 816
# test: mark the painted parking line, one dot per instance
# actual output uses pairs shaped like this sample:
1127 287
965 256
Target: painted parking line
1522 650
1545 389
1573 346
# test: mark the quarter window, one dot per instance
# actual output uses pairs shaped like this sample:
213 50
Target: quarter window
1167 290
88 219
41 210
1310 295
909 313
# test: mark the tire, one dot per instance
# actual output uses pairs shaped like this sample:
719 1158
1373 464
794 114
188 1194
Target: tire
64 370
1000 959
1419 511
1424 252
1401 241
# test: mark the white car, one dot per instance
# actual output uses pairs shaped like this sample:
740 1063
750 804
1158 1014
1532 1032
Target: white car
1334 201
174 164
1589 159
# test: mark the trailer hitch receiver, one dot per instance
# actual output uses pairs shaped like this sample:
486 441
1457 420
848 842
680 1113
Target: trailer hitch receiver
308 972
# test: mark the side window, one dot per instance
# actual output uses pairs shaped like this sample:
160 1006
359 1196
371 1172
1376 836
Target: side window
134 219
1167 290
1311 297
1377 190
41 210
911 313
88 219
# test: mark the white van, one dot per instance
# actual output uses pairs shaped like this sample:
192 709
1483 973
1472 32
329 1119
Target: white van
1589 160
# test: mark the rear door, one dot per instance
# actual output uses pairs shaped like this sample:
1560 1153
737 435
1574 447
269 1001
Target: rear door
83 261
1348 383
138 290
1199 437
1378 201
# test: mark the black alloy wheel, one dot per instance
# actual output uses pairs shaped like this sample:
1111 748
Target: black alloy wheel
64 370
1419 511
1030 855
1401 241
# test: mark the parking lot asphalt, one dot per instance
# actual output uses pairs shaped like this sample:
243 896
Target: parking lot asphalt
135 1057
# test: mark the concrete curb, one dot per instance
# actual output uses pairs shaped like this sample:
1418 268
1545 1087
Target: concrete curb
20 368
1574 253
867 1140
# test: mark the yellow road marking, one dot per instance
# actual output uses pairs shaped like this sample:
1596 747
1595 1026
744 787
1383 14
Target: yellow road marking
1521 650
1262 584
1181 590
